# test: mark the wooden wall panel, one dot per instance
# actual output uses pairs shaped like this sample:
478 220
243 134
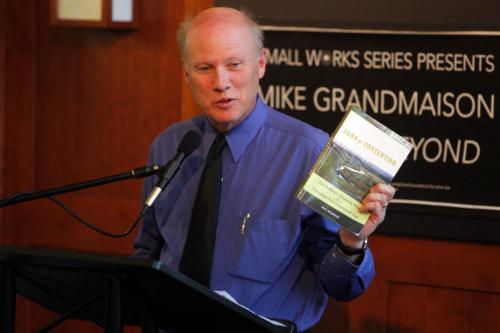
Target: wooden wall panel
105 95
18 105
3 31
416 308
424 280
81 104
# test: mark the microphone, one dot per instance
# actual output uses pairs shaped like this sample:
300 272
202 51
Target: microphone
190 141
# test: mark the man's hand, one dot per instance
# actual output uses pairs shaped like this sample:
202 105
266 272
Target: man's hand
375 202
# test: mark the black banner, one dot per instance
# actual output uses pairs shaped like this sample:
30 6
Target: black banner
437 90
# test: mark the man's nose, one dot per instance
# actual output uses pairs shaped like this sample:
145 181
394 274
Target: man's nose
221 80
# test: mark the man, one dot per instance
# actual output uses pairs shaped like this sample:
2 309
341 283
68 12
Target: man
271 253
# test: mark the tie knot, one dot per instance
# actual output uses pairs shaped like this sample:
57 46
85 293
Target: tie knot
217 147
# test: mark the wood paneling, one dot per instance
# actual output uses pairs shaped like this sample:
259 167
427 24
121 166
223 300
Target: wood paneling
416 308
83 104
80 104
104 95
424 286
19 101
3 31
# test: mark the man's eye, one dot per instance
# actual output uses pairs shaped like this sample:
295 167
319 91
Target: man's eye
202 69
235 65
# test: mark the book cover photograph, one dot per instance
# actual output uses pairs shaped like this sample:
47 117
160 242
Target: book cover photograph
361 152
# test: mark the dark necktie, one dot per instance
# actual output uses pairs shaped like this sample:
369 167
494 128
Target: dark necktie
196 259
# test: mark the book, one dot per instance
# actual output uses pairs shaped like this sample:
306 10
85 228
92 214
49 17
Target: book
360 153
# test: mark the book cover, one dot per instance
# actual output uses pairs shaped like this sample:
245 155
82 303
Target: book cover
361 152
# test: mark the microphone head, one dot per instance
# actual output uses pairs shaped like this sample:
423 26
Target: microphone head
190 141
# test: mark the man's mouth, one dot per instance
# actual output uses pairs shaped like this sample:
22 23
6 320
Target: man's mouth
224 102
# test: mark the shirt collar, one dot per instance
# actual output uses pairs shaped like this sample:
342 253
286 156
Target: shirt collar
240 136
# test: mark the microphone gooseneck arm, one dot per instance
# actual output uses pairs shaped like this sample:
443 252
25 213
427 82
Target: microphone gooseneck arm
134 173
189 143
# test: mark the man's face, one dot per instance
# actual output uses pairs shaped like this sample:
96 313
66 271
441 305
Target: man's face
223 68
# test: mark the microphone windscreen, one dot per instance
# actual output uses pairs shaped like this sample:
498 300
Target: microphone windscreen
189 142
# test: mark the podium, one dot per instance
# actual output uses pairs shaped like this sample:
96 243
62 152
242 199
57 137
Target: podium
113 291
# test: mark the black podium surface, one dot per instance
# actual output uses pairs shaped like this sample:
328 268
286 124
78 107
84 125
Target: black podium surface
113 291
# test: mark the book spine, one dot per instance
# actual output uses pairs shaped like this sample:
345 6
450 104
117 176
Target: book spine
315 166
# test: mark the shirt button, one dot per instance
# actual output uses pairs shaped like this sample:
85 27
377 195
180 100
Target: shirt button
221 179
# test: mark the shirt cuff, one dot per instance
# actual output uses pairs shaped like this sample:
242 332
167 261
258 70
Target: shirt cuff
337 264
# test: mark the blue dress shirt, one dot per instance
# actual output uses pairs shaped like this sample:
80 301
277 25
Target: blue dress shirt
272 253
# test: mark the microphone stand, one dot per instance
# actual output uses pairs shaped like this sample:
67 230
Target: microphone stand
134 173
